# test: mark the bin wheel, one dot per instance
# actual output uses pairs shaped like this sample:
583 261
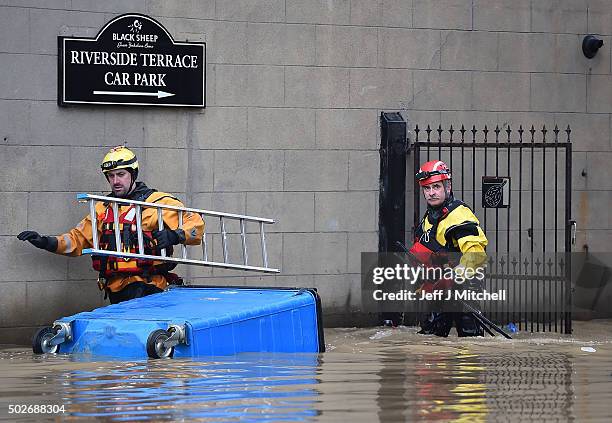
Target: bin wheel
155 344
40 342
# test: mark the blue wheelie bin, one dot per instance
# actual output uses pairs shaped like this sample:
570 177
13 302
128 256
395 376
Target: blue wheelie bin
191 321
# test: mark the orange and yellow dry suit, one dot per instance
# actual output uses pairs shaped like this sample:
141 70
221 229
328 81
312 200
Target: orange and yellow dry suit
121 272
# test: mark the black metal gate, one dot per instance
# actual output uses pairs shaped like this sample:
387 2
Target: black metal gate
518 183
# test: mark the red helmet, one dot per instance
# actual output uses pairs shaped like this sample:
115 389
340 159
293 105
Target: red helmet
433 171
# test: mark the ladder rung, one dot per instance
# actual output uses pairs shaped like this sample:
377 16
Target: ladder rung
264 252
160 224
204 244
204 247
139 230
245 254
94 223
223 239
183 247
116 225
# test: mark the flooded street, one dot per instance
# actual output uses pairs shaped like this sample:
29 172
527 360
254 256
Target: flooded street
377 374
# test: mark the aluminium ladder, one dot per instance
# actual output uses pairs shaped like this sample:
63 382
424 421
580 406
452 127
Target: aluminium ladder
139 205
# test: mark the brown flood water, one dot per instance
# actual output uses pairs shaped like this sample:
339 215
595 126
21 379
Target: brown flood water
376 374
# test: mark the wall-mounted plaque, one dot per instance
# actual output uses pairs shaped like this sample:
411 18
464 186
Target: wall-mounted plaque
495 192
132 61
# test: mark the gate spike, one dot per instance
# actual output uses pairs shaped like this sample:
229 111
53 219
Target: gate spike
520 131
556 131
439 130
508 131
532 130
451 131
428 130
497 131
486 132
473 130
462 130
416 132
569 131
544 131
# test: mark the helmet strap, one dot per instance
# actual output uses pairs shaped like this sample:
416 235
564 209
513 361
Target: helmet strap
133 183
448 191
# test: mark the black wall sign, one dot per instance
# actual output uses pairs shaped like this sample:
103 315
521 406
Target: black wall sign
132 61
495 192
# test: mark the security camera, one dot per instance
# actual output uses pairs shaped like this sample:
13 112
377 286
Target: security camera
590 45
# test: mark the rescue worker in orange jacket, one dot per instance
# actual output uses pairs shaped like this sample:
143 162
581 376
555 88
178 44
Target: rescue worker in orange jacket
125 279
449 228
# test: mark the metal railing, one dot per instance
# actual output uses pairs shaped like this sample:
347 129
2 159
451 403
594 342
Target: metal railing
140 205
531 255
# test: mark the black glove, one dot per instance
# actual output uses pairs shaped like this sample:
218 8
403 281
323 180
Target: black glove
166 238
48 243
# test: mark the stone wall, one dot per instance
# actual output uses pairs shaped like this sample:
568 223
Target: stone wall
290 131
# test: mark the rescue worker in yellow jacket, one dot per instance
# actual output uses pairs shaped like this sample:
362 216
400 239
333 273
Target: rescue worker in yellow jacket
449 228
125 279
